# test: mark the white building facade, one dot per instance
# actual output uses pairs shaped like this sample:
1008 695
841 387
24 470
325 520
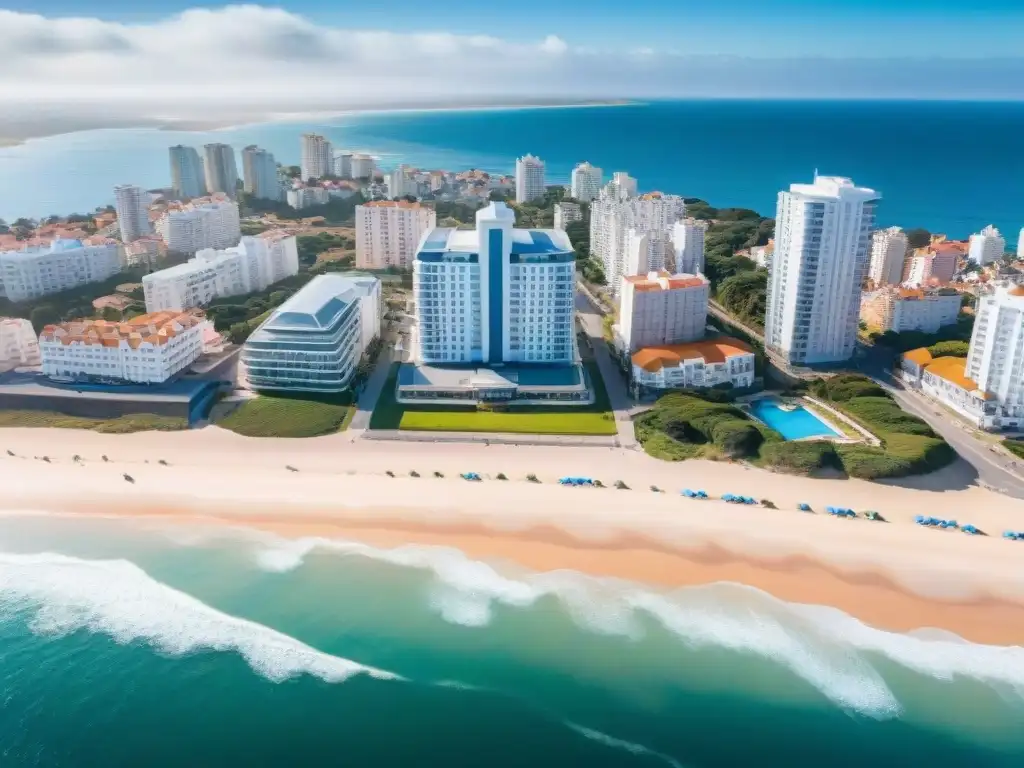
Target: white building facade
901 309
567 212
1020 244
132 206
888 254
305 197
388 233
530 183
259 174
585 182
317 158
621 187
19 345
148 349
494 295
207 222
821 258
661 308
315 340
363 167
696 365
996 357
986 246
63 264
253 265
187 177
688 245
401 183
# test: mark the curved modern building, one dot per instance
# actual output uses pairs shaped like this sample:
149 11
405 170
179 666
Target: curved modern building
314 341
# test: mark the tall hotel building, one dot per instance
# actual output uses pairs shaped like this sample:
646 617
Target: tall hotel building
220 168
132 206
259 174
529 179
317 156
495 295
585 184
986 246
822 242
187 178
388 232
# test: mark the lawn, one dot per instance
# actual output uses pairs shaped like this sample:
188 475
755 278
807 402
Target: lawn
595 419
137 422
290 416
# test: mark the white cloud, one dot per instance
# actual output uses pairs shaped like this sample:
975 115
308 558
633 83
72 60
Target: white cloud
271 59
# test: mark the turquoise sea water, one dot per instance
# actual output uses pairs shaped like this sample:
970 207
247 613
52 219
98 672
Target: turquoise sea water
950 166
794 424
124 646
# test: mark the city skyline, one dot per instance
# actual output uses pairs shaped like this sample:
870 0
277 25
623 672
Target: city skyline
260 56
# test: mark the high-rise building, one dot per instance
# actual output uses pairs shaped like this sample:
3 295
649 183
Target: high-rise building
931 266
567 212
343 165
613 216
987 246
187 177
585 183
822 239
132 206
253 265
388 233
688 245
621 187
646 251
661 308
401 183
259 174
888 254
529 179
317 156
315 340
40 270
362 166
1020 244
494 295
220 168
205 222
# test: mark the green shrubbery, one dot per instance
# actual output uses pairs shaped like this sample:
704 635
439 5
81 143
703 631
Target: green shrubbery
950 349
683 426
799 457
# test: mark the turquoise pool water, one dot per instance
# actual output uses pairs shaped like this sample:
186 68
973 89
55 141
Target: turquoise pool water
793 424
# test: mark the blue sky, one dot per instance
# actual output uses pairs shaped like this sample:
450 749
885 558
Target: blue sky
847 28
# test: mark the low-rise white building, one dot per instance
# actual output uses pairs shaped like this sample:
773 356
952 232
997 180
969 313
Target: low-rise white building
148 349
904 309
696 365
63 264
315 340
388 232
253 265
19 345
304 197
660 308
206 222
566 212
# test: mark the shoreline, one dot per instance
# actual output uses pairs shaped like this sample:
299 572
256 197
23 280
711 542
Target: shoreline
894 576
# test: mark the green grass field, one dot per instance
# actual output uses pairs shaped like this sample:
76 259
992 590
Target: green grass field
290 416
596 419
138 422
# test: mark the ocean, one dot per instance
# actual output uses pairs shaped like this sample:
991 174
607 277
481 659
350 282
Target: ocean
131 644
952 167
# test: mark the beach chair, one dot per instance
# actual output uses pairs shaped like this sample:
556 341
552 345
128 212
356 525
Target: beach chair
1009 535
919 519
688 493
803 507
727 497
702 494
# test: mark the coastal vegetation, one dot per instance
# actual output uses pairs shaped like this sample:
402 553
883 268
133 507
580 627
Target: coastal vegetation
286 415
73 303
136 422
958 334
594 419
336 211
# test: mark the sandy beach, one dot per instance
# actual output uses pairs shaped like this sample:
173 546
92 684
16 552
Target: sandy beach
894 575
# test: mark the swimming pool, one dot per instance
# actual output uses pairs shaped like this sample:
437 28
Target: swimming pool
794 424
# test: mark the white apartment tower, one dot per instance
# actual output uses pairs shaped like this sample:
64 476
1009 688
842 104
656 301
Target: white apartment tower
206 222
132 206
660 308
585 182
888 254
388 233
401 183
821 257
995 361
986 246
343 165
362 166
621 187
646 251
259 174
494 295
566 213
220 169
688 245
529 179
187 178
317 156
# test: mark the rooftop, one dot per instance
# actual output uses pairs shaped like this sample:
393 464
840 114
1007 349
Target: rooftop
316 306
653 359
524 241
389 204
954 370
834 187
155 328
450 376
664 281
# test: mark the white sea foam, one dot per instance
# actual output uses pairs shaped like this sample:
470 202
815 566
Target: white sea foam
629 746
119 599
829 649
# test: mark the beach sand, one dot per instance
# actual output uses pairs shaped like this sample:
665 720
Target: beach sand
892 575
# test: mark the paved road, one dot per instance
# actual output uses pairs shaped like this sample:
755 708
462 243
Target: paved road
368 397
591 318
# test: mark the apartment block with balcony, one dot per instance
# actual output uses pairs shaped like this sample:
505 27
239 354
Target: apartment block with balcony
40 270
660 308
388 232
695 365
910 309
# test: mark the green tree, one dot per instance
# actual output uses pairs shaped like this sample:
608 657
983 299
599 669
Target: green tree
43 315
918 238
239 332
111 313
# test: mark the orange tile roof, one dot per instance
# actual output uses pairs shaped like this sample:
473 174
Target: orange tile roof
921 356
156 328
645 283
390 204
653 359
953 370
